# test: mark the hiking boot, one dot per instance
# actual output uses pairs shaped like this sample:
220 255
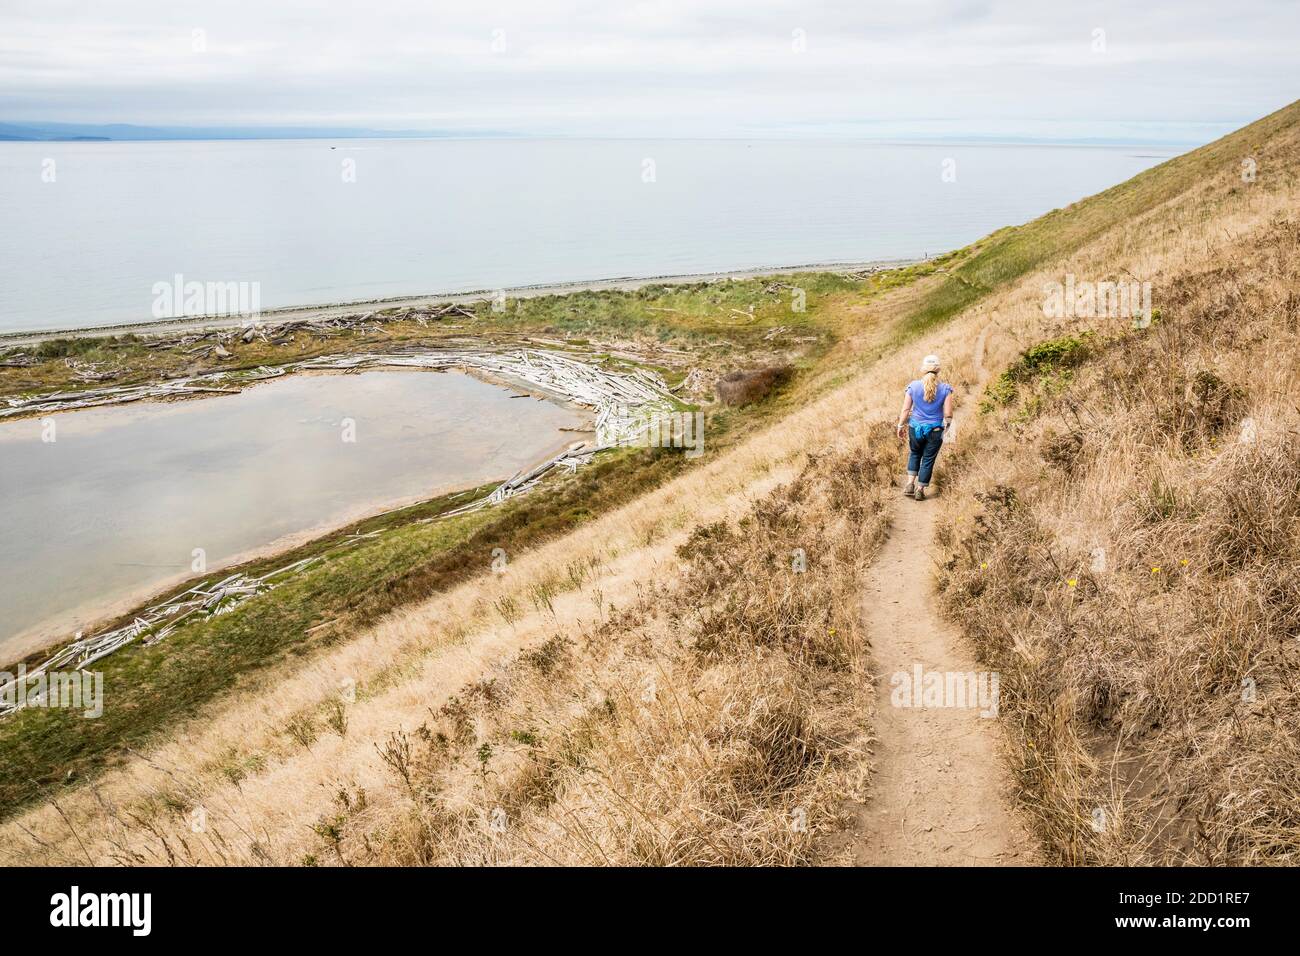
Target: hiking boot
920 493
910 488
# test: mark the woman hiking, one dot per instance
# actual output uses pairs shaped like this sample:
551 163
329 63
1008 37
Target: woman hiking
926 414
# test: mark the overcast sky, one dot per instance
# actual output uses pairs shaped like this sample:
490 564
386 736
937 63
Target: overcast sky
1178 70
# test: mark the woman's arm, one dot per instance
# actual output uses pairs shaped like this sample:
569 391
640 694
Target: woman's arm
947 408
903 413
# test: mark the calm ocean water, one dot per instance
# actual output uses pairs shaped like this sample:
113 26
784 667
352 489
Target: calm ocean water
90 228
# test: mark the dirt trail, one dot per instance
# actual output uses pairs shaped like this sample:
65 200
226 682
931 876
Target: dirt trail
941 792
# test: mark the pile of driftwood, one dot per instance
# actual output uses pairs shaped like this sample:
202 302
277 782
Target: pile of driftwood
525 481
549 371
154 624
861 274
553 372
212 382
362 321
276 332
92 371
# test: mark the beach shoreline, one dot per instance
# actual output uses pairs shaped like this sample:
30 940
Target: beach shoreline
335 309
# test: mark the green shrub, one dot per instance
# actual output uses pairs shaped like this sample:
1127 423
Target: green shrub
1036 363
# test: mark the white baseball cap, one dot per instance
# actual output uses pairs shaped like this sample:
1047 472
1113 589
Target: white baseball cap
930 363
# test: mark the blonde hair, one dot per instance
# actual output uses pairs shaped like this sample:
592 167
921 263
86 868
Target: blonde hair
930 376
930 381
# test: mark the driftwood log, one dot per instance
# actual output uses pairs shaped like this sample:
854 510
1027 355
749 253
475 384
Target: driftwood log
153 624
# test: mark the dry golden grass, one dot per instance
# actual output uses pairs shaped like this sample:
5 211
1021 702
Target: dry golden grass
265 792
1124 548
717 720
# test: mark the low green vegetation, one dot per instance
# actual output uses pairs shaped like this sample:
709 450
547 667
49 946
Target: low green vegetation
1049 360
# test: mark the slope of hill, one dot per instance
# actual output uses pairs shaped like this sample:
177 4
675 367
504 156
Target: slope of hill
690 679
1124 547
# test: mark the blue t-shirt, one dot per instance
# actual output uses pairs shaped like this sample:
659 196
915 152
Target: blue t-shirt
928 413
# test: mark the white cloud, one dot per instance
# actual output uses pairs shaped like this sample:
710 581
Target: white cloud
712 67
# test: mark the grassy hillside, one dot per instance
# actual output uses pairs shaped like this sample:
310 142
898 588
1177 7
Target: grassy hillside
1126 547
1010 254
686 677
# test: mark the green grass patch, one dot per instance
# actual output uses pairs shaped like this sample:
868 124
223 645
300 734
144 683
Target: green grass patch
1051 359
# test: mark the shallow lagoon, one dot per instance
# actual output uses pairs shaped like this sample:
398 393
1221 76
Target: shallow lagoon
114 508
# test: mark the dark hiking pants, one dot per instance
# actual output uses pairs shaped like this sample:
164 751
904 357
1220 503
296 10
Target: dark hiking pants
923 452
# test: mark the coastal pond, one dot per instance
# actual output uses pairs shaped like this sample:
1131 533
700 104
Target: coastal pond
102 507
